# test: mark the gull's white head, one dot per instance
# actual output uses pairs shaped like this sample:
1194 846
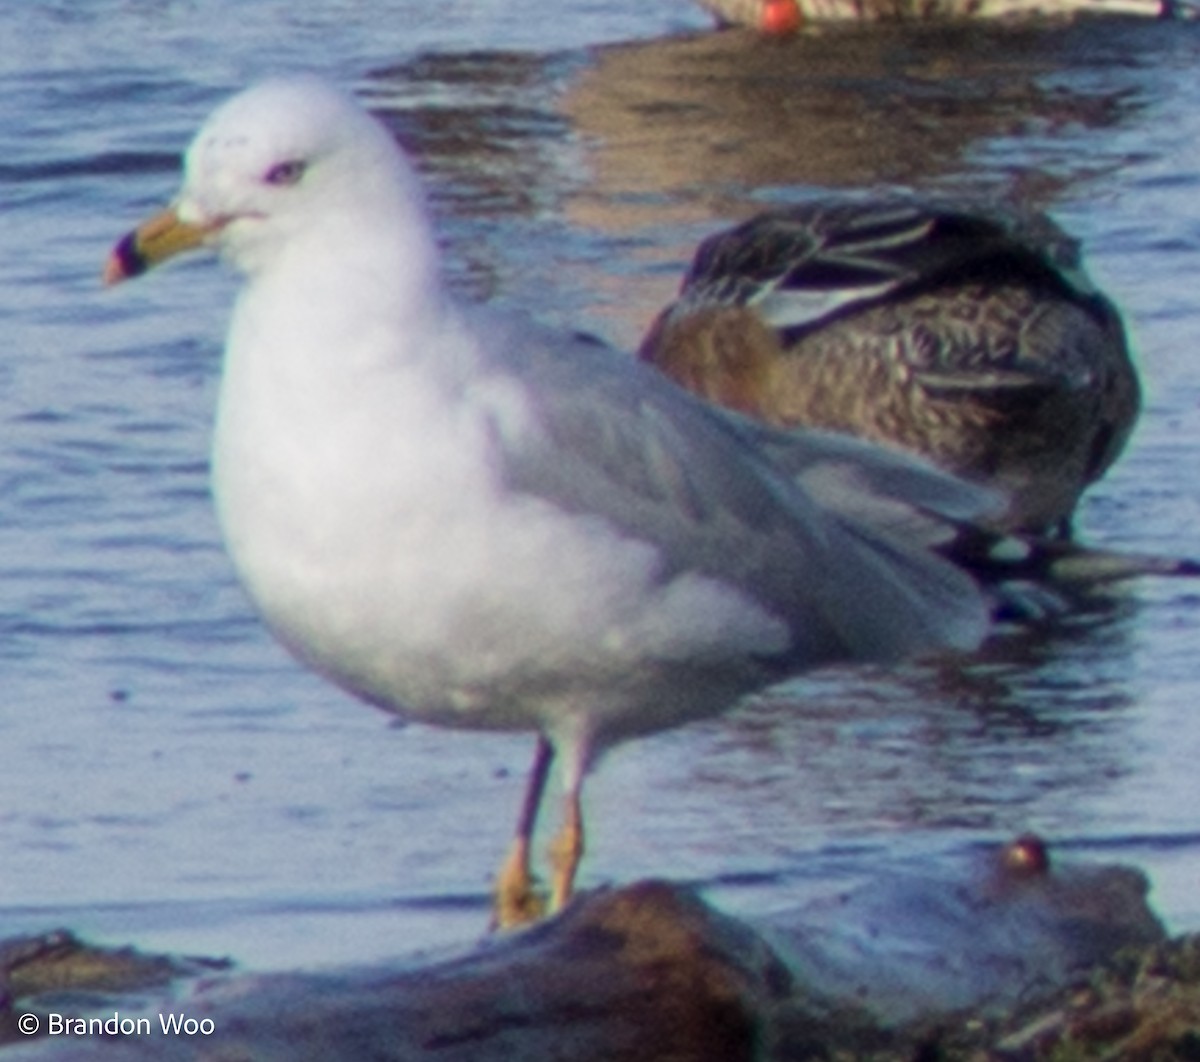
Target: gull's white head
282 161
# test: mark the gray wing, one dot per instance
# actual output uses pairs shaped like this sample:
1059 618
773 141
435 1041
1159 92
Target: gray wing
888 490
616 441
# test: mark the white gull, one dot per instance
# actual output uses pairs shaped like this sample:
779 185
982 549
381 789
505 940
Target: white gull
475 521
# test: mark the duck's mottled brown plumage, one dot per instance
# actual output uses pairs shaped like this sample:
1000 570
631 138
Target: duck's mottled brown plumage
970 337
769 16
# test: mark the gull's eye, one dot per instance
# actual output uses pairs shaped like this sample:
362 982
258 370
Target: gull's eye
284 173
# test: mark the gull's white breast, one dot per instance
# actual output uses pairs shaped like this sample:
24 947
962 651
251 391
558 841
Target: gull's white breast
365 507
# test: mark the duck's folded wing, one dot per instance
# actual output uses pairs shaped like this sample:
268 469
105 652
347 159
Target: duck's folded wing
799 266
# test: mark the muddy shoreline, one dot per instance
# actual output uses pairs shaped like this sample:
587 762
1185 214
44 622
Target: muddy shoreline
1007 958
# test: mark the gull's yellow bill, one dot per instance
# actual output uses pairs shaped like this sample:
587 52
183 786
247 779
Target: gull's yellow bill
161 237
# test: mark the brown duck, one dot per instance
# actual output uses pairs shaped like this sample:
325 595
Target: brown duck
970 336
786 16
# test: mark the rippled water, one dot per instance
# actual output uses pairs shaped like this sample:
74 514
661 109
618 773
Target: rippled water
168 776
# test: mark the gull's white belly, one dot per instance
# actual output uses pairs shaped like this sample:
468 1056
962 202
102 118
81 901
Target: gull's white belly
400 566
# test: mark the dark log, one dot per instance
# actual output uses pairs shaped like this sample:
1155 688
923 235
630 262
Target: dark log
912 967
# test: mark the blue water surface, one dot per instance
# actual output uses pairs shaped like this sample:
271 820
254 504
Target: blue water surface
169 777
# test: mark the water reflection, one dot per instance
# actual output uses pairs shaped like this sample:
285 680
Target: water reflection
486 135
998 742
698 125
680 133
579 184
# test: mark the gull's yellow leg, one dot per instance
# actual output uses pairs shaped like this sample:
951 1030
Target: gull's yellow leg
516 900
566 851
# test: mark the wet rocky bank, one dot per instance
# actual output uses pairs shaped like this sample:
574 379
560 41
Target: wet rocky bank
1008 957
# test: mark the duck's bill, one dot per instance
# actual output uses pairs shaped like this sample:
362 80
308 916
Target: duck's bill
161 237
